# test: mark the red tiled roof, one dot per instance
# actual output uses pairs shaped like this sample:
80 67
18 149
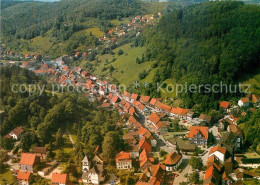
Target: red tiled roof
28 159
123 156
145 99
217 148
172 159
17 131
23 175
154 118
114 99
141 107
224 104
131 110
136 103
143 144
142 131
245 100
59 178
179 111
153 101
194 130
134 96
127 94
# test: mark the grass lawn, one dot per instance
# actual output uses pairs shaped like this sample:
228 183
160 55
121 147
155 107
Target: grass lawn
116 22
126 69
73 134
6 176
95 31
40 44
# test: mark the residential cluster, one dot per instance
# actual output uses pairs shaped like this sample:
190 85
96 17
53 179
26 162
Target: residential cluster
149 123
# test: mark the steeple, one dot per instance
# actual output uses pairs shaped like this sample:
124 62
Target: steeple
85 164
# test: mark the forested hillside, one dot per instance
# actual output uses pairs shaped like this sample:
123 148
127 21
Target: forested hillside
206 44
45 119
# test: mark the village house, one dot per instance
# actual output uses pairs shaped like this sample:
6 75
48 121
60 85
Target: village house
256 98
173 161
40 152
123 161
219 152
60 179
179 113
243 102
144 144
15 133
198 135
134 97
153 119
205 117
152 176
230 141
93 172
127 96
28 161
24 177
144 99
145 160
238 132
224 104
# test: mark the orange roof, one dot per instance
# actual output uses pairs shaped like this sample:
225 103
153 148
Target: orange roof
126 94
172 159
153 101
114 99
194 130
179 111
245 100
28 159
136 103
224 104
217 148
59 178
154 118
134 96
123 156
145 99
23 175
132 110
141 106
143 144
142 131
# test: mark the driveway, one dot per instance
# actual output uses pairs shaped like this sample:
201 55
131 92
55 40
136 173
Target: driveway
186 170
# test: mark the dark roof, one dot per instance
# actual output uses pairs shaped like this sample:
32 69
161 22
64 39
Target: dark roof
41 150
228 140
182 144
250 160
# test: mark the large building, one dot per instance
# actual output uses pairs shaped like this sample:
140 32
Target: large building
173 161
198 135
123 161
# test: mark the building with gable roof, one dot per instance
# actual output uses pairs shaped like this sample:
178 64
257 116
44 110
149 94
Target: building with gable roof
198 135
173 161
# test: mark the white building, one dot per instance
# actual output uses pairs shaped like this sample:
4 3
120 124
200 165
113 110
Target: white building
173 161
219 152
243 102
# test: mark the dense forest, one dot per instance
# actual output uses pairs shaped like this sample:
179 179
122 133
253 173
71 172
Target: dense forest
30 19
205 44
45 119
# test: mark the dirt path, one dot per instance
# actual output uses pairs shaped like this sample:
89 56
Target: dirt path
71 140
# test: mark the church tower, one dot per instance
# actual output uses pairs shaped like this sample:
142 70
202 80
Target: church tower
85 164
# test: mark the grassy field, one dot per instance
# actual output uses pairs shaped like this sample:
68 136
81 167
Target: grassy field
95 31
6 177
126 70
116 22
